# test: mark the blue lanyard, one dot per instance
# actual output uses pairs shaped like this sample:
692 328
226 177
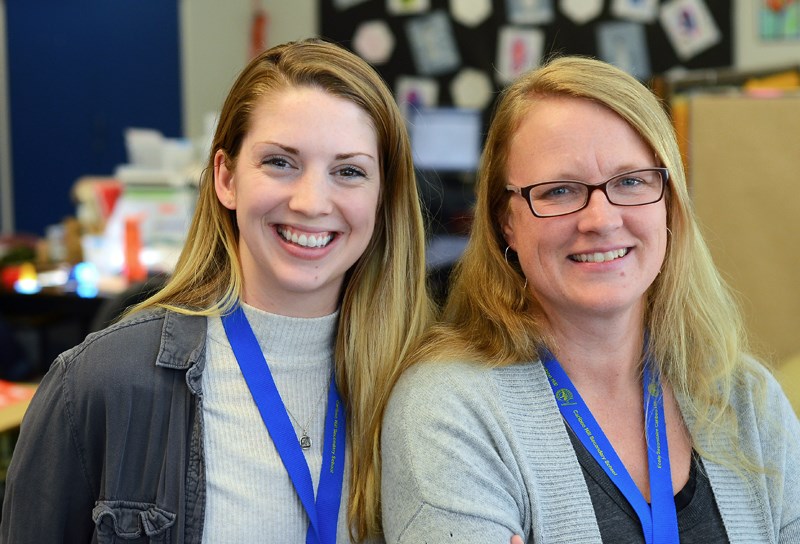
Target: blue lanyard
323 513
659 519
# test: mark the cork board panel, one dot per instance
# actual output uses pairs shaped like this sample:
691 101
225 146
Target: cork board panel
744 164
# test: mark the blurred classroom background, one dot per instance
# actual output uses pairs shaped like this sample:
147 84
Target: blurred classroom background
107 110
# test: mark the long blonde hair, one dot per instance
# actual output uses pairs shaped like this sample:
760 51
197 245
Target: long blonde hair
696 331
384 303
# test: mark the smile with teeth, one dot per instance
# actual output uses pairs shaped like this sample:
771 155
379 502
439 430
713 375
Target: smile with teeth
320 239
599 257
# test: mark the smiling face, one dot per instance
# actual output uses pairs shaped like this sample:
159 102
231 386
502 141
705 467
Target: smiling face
599 261
305 188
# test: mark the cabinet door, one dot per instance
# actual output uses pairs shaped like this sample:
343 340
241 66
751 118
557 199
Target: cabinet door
744 164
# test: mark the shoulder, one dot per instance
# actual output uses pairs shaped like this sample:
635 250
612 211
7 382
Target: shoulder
453 385
768 425
132 350
431 391
455 395
468 381
430 376
757 390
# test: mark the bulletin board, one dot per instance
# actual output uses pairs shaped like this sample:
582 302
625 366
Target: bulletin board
412 43
743 173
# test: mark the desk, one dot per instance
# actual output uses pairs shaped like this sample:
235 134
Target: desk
49 306
11 413
16 397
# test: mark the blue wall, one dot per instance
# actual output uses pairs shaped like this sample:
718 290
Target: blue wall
80 72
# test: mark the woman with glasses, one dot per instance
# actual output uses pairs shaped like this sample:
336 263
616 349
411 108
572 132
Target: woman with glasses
589 380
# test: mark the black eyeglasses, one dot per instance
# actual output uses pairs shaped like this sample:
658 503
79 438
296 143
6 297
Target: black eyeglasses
634 188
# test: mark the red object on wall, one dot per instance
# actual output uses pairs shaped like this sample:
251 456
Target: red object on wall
134 270
258 32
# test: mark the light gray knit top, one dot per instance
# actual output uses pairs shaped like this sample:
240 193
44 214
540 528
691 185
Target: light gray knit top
250 497
473 454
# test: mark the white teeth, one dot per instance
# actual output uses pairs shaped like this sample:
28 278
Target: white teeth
599 257
320 240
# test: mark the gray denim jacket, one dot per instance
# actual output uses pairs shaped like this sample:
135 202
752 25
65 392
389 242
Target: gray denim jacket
111 448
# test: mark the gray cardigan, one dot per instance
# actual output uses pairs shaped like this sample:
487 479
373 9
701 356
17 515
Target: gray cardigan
473 454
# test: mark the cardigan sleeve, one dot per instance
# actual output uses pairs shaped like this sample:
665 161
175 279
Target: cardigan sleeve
761 505
448 470
787 449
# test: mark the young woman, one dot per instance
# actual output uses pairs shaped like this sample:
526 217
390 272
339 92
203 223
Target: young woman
591 381
238 403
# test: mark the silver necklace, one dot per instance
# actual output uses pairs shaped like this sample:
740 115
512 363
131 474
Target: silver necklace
305 440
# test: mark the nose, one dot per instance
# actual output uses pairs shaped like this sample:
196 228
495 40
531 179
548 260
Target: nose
599 215
310 194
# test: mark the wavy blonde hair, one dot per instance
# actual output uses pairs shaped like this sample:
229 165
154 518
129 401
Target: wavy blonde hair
384 302
696 331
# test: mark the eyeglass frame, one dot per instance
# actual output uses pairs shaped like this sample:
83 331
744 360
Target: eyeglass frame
525 192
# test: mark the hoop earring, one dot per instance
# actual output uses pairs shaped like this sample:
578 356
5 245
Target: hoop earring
669 232
505 256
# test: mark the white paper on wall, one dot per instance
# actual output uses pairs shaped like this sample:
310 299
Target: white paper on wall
581 11
433 46
470 13
529 12
407 7
641 11
413 93
472 89
518 50
689 27
374 42
624 45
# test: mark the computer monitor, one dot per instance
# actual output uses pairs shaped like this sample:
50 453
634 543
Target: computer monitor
446 140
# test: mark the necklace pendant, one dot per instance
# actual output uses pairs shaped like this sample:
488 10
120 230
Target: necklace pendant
305 441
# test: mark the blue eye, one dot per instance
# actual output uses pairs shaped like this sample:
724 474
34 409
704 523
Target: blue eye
278 162
555 192
351 172
629 182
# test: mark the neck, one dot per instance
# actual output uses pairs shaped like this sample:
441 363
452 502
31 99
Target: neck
292 339
294 305
599 353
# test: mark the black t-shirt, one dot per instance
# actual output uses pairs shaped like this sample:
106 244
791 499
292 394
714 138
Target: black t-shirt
699 520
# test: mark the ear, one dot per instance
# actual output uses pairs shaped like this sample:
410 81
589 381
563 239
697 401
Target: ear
223 181
507 225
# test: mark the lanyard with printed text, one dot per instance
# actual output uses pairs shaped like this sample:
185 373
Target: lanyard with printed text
323 514
659 519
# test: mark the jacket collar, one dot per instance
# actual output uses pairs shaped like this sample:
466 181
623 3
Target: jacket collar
183 346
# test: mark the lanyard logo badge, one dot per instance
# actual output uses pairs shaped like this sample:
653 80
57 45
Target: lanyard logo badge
565 397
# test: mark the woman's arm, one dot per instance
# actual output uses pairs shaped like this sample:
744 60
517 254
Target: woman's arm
790 502
47 496
448 469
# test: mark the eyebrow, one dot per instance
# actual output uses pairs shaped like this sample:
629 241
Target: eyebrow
338 157
622 170
344 156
